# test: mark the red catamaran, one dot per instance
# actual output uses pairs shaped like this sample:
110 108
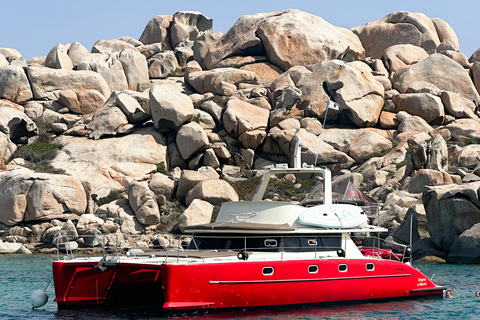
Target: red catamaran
256 254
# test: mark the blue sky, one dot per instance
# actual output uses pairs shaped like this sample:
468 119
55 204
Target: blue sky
34 27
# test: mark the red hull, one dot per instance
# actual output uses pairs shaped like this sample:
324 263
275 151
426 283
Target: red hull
237 284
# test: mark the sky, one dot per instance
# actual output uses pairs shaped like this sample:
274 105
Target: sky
34 27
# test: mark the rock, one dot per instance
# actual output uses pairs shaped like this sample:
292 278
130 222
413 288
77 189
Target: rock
339 183
414 124
174 157
83 102
161 184
438 70
108 121
240 117
438 155
170 107
135 66
88 222
351 85
426 250
94 238
7 149
188 25
204 119
366 144
312 125
39 196
399 27
16 125
467 157
401 55
109 66
210 159
451 210
202 44
198 212
132 109
265 72
192 138
221 81
14 85
425 177
424 105
415 222
76 52
49 234
7 247
213 191
110 164
58 57
157 30
187 181
111 46
465 248
213 109
58 127
161 65
10 54
288 38
457 106
45 82
143 202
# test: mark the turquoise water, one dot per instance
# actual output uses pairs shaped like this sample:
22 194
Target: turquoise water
20 275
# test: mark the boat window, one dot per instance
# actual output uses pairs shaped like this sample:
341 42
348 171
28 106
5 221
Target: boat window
270 243
342 267
312 242
313 268
267 271
370 266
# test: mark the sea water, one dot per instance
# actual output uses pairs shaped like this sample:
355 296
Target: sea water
20 275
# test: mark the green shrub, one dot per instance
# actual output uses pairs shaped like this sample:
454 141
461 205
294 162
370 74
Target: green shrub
38 151
248 81
161 167
112 196
196 118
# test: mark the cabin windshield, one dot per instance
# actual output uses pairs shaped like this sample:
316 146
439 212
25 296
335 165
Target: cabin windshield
268 243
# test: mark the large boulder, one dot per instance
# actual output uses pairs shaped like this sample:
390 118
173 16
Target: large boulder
188 180
438 70
157 30
451 210
47 82
7 149
425 105
82 102
465 248
16 125
220 81
14 85
58 57
401 55
288 38
400 27
198 212
170 106
242 119
111 164
191 138
31 196
213 191
109 66
366 144
135 66
111 46
457 106
161 185
108 121
188 25
351 85
143 202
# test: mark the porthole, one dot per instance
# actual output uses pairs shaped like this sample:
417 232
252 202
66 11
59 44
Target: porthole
270 242
370 266
313 268
267 271
342 267
312 242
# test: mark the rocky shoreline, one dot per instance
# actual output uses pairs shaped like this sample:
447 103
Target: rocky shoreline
144 137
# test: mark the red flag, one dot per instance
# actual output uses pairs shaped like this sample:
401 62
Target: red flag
352 193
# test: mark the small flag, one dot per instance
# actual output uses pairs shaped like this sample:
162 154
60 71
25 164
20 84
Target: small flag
333 105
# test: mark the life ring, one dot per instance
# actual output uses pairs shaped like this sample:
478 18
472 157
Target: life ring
242 255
